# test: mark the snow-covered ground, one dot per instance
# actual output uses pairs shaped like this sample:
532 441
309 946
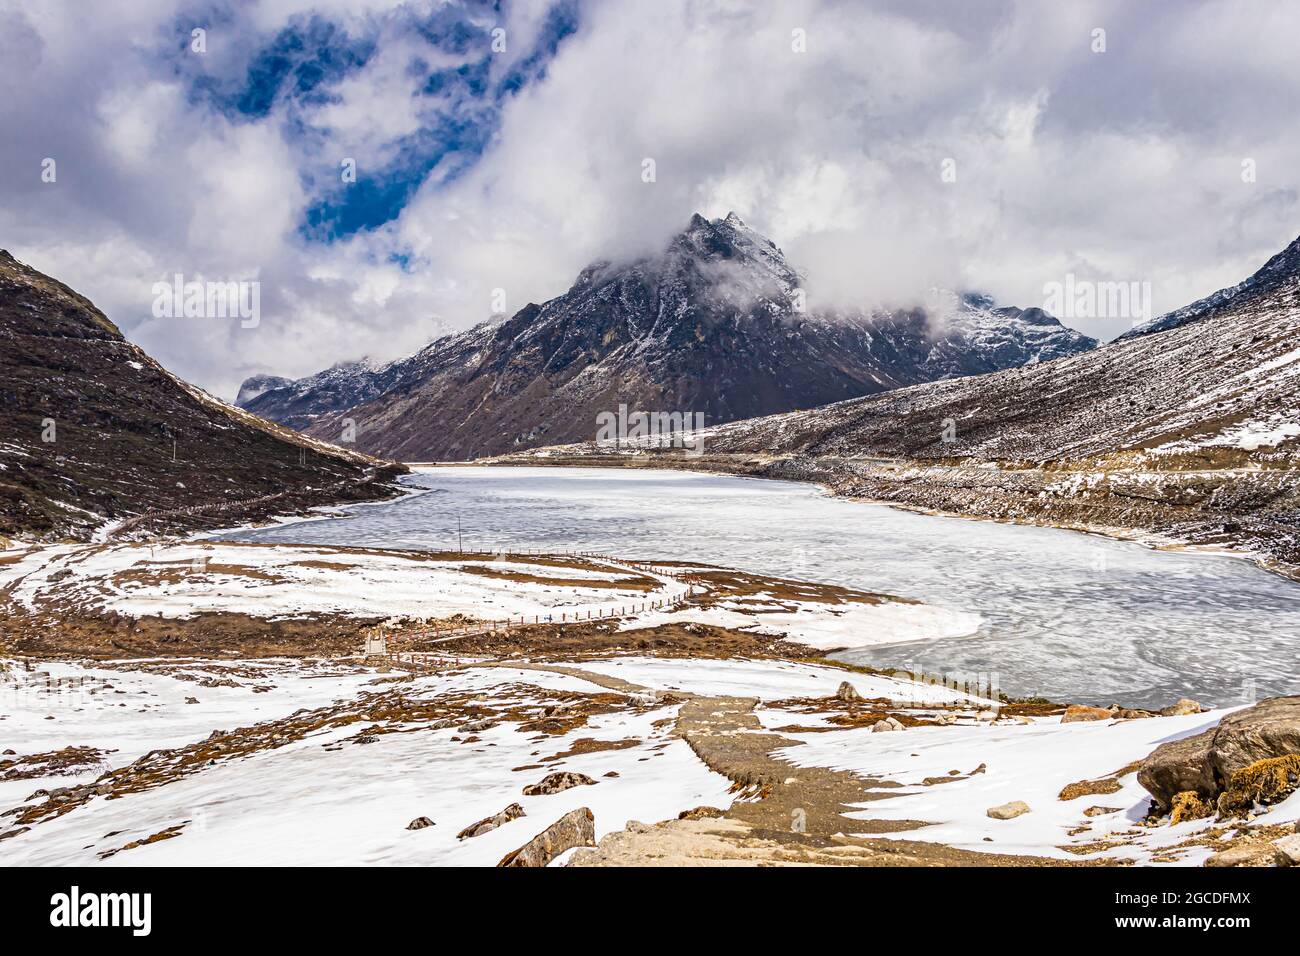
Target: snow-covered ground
771 680
326 798
181 579
825 626
1029 762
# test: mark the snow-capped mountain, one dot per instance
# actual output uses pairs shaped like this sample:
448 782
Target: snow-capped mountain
971 335
716 324
92 429
298 403
258 384
1192 434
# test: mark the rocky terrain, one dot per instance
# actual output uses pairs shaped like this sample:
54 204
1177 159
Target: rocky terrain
1190 434
718 325
612 738
93 432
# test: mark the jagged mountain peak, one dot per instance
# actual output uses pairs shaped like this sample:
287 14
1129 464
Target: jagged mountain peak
706 325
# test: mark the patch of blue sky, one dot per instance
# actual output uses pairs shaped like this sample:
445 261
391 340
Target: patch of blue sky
299 69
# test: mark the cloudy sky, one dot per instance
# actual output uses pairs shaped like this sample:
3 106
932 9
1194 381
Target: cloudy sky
501 146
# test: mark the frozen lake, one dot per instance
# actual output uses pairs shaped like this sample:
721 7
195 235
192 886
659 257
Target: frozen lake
1066 615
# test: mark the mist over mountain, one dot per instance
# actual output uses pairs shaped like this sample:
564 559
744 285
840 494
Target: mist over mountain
718 323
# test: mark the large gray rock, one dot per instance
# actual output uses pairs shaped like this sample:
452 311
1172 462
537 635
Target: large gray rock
1269 729
1206 762
1178 766
575 828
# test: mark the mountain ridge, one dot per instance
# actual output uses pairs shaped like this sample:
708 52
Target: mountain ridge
716 324
96 432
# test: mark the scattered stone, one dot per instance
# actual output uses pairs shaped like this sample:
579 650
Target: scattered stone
1188 805
1077 712
700 813
1101 811
576 828
1008 811
847 692
191 700
612 774
888 724
556 782
1247 854
1089 788
419 823
488 824
1287 850
1185 707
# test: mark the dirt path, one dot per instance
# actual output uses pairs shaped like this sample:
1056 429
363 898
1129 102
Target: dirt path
783 815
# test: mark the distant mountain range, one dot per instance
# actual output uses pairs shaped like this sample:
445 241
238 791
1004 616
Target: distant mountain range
715 324
94 432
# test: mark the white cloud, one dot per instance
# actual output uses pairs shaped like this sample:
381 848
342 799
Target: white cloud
1122 165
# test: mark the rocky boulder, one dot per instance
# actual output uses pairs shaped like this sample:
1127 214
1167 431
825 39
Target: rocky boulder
1206 763
575 828
1077 712
488 824
1246 854
555 782
1179 766
1269 729
1286 851
1008 811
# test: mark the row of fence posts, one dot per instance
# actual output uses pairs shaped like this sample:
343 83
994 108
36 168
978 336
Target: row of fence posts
491 627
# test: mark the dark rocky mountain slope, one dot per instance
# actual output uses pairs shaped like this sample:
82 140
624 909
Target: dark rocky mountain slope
713 325
114 419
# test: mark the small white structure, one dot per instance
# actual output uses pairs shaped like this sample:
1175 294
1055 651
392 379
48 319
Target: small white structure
376 644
